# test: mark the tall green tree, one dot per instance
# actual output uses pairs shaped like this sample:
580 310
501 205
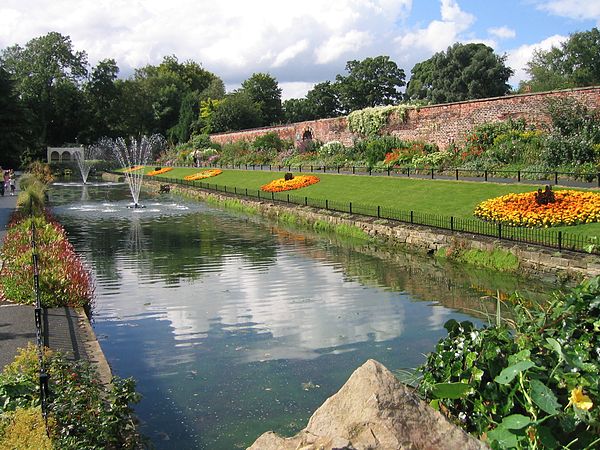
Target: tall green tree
370 82
264 90
162 88
47 72
103 102
237 111
463 72
575 63
323 101
297 110
13 123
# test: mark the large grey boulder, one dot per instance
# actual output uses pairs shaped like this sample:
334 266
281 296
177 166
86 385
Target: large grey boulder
374 411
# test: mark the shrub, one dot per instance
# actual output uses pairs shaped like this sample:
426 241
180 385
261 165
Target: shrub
64 281
83 413
41 171
370 121
25 429
270 141
531 385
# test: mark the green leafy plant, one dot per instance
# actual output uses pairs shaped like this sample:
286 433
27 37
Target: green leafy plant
533 384
370 121
83 412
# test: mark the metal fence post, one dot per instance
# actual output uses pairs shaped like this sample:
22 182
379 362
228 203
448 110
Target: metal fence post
388 171
485 174
350 207
378 211
432 173
353 170
560 240
499 230
305 201
451 223
456 174
326 204
519 176
555 177
411 216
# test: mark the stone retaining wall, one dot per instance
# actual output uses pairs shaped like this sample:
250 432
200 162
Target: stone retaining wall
439 124
534 260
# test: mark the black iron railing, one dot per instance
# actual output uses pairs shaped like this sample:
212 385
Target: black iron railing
39 329
538 236
580 179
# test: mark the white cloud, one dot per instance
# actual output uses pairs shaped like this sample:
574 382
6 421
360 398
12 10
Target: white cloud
295 89
290 52
337 46
502 32
573 9
439 34
519 57
232 38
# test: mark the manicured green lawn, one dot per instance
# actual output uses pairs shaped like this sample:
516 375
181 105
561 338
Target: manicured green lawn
448 198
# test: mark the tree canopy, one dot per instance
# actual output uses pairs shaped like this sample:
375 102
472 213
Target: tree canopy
370 82
463 72
264 90
575 63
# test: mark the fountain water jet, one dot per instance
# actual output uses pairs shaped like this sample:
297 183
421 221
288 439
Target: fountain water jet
136 154
84 161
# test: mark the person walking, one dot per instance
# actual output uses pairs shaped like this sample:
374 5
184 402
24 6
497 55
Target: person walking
6 180
12 182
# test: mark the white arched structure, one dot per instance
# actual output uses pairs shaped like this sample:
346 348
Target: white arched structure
63 154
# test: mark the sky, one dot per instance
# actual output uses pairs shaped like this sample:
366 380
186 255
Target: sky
300 43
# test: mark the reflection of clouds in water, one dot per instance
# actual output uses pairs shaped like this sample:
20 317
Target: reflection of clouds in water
439 316
299 307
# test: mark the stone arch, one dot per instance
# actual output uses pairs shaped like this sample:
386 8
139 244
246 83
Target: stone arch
307 134
54 156
66 156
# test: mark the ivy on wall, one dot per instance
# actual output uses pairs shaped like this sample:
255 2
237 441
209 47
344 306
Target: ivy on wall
370 121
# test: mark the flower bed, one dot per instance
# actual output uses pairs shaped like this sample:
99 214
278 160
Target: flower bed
64 280
133 169
159 171
281 184
569 208
203 174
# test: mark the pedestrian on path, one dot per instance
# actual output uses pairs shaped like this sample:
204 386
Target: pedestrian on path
12 182
6 181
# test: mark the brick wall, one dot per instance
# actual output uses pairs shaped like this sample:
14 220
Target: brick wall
440 124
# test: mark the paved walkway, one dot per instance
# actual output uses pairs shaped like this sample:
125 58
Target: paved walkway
65 329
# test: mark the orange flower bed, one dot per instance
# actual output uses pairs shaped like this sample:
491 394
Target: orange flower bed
203 174
133 169
297 182
159 172
570 208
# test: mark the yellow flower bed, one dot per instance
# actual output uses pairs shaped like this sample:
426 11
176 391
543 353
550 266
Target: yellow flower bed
570 208
203 174
133 169
281 184
159 172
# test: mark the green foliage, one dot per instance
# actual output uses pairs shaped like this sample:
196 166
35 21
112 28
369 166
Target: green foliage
575 133
463 72
500 260
83 413
574 63
370 121
270 141
526 382
237 111
369 83
13 121
264 91
374 149
64 280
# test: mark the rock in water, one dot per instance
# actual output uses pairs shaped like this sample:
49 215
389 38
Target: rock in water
374 411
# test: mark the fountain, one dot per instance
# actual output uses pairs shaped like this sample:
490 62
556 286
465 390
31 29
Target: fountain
84 161
131 157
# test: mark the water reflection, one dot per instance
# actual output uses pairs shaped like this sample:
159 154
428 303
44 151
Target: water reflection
225 320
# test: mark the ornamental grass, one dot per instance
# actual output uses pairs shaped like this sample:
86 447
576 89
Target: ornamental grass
203 174
281 184
159 171
569 208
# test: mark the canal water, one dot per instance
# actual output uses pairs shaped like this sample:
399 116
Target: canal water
233 326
